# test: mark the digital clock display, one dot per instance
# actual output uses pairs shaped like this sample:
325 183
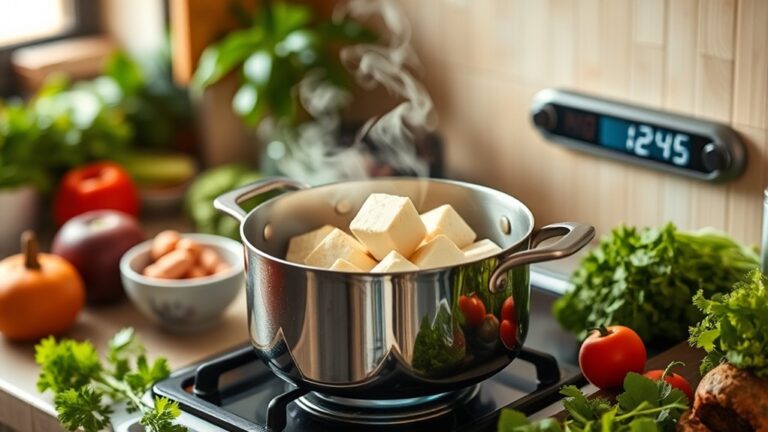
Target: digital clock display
643 140
642 136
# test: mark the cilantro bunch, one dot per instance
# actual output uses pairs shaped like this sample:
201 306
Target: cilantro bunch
645 279
644 406
83 385
735 326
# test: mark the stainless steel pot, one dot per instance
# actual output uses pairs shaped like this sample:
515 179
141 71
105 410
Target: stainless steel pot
388 335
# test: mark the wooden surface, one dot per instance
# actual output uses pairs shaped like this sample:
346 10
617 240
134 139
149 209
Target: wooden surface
196 24
484 61
680 352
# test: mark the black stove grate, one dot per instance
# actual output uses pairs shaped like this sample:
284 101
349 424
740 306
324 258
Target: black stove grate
238 392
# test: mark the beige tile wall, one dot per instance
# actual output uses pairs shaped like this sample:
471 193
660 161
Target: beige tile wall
485 59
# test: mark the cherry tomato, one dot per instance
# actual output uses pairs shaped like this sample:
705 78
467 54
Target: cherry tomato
508 310
96 186
508 334
488 329
609 354
675 380
473 309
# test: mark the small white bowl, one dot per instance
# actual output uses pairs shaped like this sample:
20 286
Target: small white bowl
184 305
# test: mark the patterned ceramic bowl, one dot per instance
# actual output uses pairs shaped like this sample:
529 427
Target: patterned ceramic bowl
184 305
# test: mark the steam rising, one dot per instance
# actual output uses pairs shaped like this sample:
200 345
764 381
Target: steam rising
316 154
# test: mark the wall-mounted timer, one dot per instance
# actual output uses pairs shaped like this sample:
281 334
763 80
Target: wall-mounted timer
654 139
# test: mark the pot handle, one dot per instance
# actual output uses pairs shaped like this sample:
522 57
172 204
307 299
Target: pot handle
574 237
229 202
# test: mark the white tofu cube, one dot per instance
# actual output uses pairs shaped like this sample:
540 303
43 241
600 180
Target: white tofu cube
339 244
394 262
386 223
343 265
438 252
481 249
445 220
300 246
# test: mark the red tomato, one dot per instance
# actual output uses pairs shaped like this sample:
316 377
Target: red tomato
473 309
675 380
508 334
97 186
508 310
608 355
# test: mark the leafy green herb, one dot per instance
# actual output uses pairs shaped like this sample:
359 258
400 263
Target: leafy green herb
69 125
644 406
441 346
72 124
84 386
735 326
645 279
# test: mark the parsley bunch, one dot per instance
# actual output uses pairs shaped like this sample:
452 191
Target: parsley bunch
644 406
645 279
440 346
735 326
81 383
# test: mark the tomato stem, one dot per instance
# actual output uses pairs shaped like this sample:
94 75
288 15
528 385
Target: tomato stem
29 248
669 367
603 330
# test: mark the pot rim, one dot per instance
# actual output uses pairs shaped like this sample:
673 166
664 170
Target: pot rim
369 276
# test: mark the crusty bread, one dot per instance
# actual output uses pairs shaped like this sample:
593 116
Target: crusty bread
691 423
729 399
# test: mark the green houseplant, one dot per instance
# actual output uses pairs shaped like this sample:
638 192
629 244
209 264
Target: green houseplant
282 54
280 46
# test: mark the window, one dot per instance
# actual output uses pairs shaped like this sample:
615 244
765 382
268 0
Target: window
21 21
26 22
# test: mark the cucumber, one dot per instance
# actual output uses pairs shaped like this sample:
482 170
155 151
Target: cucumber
159 170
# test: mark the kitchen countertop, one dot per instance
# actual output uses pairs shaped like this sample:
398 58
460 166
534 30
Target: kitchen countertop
24 409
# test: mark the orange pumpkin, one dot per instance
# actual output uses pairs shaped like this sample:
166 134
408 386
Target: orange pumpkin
40 294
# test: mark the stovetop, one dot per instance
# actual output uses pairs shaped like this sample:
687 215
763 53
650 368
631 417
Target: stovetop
237 392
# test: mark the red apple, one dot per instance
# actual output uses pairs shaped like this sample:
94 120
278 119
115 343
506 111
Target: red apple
94 242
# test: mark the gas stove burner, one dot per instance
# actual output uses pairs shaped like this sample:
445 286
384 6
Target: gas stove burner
385 412
237 392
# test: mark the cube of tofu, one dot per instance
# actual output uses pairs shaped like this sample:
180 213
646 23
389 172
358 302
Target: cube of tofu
481 249
445 220
339 244
300 246
386 223
394 262
438 252
343 265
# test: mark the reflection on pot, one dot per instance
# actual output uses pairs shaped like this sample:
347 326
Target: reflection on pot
452 339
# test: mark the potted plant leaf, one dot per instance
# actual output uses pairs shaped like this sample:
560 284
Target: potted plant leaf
282 46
